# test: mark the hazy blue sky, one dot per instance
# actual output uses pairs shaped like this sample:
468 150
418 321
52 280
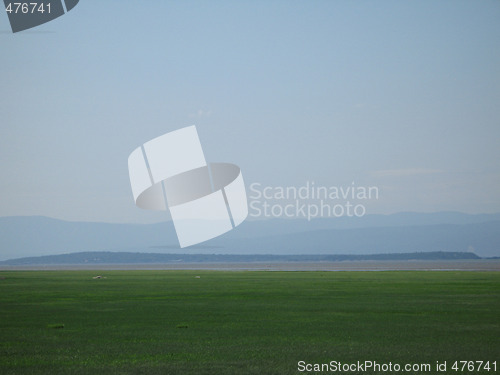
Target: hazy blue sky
403 95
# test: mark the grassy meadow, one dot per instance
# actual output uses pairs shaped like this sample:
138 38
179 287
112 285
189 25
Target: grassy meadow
173 322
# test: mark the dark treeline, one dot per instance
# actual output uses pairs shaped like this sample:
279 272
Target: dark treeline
141 258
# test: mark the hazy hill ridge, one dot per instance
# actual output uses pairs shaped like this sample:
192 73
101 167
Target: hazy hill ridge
372 234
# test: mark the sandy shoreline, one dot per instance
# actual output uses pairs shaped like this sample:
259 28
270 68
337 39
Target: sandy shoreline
454 265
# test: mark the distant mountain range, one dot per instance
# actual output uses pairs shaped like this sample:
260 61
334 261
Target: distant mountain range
372 234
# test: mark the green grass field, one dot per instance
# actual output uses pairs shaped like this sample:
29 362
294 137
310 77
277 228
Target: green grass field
170 322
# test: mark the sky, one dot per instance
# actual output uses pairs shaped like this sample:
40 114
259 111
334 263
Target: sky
401 95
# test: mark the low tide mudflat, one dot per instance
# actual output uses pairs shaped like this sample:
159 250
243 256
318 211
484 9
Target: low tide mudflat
216 322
